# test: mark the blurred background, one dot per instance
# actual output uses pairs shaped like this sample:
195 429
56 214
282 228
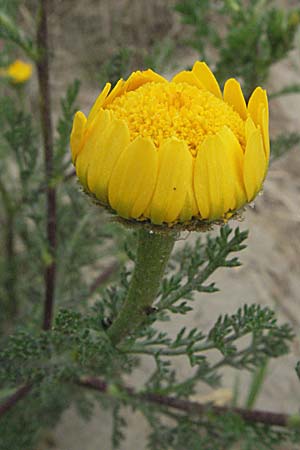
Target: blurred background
257 42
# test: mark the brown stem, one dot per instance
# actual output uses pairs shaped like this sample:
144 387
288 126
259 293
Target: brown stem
103 277
194 408
46 122
10 401
187 406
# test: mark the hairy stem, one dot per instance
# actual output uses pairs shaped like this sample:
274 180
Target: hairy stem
46 122
152 255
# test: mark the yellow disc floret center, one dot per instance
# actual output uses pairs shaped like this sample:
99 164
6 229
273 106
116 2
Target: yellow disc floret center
163 110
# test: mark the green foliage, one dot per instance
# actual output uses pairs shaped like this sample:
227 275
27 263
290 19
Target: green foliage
160 55
11 32
9 7
116 67
265 338
197 14
20 200
209 257
283 143
291 89
220 432
23 210
64 128
248 36
118 427
78 346
22 427
20 140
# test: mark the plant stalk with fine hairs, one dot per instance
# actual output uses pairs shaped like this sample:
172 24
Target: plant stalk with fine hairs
153 253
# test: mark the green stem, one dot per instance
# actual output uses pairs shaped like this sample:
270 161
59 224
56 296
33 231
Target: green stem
12 305
256 384
153 253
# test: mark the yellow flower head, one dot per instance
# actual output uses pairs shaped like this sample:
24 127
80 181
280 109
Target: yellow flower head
173 151
18 72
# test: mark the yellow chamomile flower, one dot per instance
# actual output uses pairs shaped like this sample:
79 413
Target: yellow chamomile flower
18 72
173 151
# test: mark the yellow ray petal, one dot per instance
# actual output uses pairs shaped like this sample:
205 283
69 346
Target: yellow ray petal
153 76
115 92
139 78
265 132
210 186
258 97
232 163
254 164
233 95
188 77
133 179
259 110
108 148
98 104
135 80
207 78
77 134
174 175
190 208
249 128
90 145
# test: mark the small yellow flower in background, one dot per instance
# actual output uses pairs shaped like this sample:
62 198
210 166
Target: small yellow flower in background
173 151
18 72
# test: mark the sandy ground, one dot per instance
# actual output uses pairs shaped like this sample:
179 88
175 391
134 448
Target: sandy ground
270 275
